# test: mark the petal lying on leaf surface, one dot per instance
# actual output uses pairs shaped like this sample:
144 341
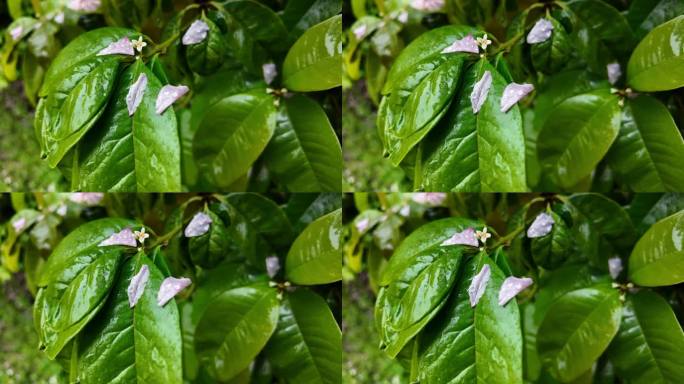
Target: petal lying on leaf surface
466 44
270 71
16 32
360 31
272 266
541 226
465 237
614 72
170 288
614 267
196 33
19 224
123 237
122 46
362 225
429 198
84 5
427 5
168 95
513 93
87 198
137 285
199 225
540 32
479 284
480 91
135 94
511 287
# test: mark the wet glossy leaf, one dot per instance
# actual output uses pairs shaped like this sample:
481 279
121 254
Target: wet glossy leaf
649 348
644 15
315 257
314 61
234 328
232 134
552 250
303 208
552 54
260 22
307 344
656 259
649 148
648 208
656 63
210 248
301 15
304 153
207 56
577 329
590 122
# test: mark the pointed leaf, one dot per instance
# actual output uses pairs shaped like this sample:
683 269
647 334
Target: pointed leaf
658 257
316 254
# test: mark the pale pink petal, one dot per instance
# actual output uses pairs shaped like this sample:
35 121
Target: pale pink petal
360 31
478 285
199 225
16 32
59 18
86 198
168 95
270 72
429 198
137 285
122 46
513 93
465 237
480 91
19 224
402 17
427 5
614 267
362 225
511 287
62 210
124 237
466 44
540 32
196 33
170 288
541 226
135 94
614 72
84 5
405 211
272 266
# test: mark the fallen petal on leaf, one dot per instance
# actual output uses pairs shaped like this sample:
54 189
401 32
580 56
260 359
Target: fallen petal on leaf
199 225
513 93
16 32
540 32
122 46
427 5
137 285
270 72
135 94
480 91
465 237
19 224
541 226
511 287
170 288
614 72
362 225
478 285
196 33
429 198
168 95
466 44
86 198
124 237
614 267
84 5
360 31
272 266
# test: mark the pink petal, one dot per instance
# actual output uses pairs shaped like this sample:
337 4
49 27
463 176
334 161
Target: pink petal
19 224
466 44
480 91
59 18
513 93
614 72
121 47
135 94
86 198
199 225
84 5
511 287
541 226
362 225
540 32
196 33
124 237
465 237
16 32
405 211
137 285
478 285
360 31
170 288
402 17
270 72
429 198
168 95
614 267
427 5
272 266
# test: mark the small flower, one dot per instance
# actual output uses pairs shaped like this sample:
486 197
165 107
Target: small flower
62 210
478 285
196 33
58 18
513 93
466 44
170 288
483 235
141 235
402 17
540 32
614 72
405 211
483 42
480 91
541 226
139 44
168 95
123 237
122 46
511 287
137 285
199 225
135 94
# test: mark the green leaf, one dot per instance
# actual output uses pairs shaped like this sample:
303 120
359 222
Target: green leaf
603 21
473 345
316 254
658 257
551 251
260 22
234 328
577 329
304 153
211 248
577 134
232 134
307 344
131 153
138 345
647 208
644 15
303 208
207 56
301 15
32 73
649 148
649 348
656 63
481 152
314 61
552 54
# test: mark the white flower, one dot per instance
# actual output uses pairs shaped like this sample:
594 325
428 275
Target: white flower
272 266
483 235
270 72
141 235
511 287
122 46
62 210
58 18
402 17
614 267
199 225
478 285
84 5
16 32
86 198
540 32
513 93
483 42
480 91
429 198
168 95
135 94
123 237
137 285
427 5
196 33
405 211
465 237
170 288
614 72
360 31
541 226
139 44
466 44
19 224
